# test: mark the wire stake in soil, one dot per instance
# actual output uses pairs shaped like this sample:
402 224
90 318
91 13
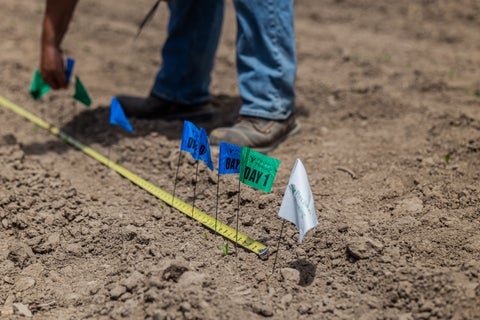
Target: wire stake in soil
195 189
278 246
216 206
238 214
175 181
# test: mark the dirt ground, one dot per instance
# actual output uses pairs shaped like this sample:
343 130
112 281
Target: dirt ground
388 96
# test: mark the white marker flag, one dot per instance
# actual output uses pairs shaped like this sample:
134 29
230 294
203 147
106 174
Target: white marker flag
297 204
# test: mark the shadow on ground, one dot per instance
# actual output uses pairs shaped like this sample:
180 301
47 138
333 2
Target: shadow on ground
307 271
91 126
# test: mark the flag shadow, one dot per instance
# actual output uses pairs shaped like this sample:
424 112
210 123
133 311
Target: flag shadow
307 271
91 126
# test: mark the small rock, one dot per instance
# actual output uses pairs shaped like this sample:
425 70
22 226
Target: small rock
471 290
8 280
286 300
428 161
54 239
33 270
304 308
423 316
67 271
23 310
74 248
352 201
405 316
404 223
473 244
6 223
260 276
126 296
24 283
405 289
342 228
99 299
290 275
300 252
117 292
21 254
364 248
192 278
412 205
135 279
151 295
92 287
428 306
262 309
7 309
185 306
174 271
72 298
160 315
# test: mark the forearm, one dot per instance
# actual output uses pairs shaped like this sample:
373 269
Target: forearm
58 14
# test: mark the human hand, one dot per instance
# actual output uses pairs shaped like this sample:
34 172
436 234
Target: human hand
52 69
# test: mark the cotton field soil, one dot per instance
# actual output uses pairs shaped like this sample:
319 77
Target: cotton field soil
387 97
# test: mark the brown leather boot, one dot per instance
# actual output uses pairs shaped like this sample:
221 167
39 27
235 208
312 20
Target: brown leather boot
262 135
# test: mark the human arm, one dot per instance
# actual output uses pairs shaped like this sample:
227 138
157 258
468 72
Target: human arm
58 14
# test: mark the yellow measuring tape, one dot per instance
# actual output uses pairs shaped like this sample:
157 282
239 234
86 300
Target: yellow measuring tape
221 228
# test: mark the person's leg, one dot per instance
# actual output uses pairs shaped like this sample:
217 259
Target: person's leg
189 51
181 87
266 64
266 60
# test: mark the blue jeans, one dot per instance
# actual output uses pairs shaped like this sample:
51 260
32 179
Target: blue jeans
266 60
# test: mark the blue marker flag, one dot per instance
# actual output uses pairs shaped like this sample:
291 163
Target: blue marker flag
203 150
229 158
117 116
69 68
190 138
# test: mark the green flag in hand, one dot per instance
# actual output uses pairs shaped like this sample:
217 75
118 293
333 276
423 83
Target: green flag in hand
257 170
38 87
81 93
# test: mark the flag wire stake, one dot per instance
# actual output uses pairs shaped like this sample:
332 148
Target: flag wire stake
175 182
195 189
216 206
278 246
238 214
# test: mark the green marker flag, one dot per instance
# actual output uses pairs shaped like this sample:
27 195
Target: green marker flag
81 93
38 87
257 170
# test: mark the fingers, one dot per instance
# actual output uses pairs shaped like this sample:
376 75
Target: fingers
52 69
54 78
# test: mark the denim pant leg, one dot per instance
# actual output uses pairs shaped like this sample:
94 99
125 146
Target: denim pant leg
189 51
266 59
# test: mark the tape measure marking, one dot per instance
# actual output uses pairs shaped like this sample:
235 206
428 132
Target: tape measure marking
202 217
